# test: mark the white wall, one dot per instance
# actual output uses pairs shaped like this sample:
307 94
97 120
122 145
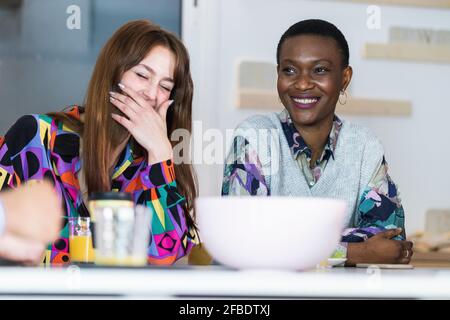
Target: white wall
220 32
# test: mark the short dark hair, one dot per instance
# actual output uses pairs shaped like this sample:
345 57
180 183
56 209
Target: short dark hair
320 28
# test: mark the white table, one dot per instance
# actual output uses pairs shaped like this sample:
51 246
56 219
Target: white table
218 282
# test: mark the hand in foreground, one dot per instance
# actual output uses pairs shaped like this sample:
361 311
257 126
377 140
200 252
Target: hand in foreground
32 220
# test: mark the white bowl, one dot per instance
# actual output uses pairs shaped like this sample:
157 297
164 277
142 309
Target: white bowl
270 232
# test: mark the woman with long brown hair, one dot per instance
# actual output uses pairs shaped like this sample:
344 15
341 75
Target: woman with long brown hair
140 92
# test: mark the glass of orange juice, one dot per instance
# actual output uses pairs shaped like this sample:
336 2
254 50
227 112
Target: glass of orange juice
80 240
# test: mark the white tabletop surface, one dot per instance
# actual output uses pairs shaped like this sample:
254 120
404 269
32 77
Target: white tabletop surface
218 282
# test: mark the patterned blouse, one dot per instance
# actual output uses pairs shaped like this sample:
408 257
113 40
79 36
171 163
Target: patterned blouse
379 206
38 147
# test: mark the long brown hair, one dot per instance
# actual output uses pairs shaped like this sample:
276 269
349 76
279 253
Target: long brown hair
101 134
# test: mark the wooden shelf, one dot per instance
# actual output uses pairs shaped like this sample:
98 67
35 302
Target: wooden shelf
267 100
431 259
407 52
445 4
375 107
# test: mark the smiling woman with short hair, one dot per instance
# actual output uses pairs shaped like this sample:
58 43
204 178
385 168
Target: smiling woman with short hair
317 153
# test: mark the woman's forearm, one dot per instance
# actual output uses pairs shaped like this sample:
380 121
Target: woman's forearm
356 253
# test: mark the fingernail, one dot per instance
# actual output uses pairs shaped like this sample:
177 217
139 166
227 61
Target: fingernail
170 102
112 93
121 86
111 99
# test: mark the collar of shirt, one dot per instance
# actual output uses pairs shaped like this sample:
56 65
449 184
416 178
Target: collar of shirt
298 145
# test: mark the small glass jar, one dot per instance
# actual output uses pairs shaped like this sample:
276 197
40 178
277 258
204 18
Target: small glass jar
80 240
121 231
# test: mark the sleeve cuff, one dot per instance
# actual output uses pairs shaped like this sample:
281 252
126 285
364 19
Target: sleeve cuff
158 174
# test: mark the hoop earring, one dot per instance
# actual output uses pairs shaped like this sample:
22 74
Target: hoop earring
343 92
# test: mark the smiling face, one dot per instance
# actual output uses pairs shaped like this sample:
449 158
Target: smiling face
310 77
153 77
